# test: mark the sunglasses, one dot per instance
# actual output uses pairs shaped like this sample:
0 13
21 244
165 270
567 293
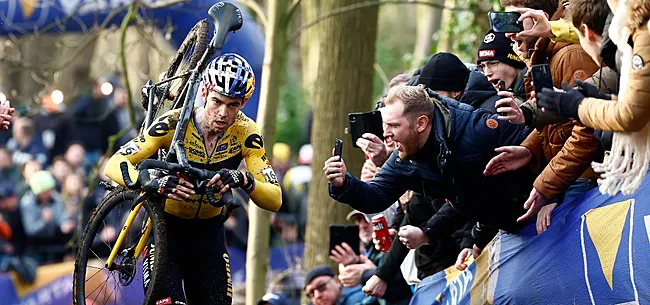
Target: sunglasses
321 287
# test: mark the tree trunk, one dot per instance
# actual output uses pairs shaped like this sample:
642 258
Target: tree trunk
345 79
446 43
257 254
428 23
309 46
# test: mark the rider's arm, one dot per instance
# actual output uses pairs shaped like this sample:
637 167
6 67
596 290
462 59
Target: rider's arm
266 191
159 135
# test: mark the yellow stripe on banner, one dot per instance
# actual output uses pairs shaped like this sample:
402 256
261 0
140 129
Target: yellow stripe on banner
605 227
28 7
479 290
44 276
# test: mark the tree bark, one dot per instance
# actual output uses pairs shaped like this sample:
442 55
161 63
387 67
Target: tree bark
345 78
309 10
428 23
446 43
257 254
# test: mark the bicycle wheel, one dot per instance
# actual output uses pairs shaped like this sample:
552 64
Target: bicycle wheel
186 59
94 284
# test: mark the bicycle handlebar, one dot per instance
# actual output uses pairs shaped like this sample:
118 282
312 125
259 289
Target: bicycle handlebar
201 175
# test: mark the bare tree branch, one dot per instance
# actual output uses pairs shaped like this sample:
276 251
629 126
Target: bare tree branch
257 9
133 9
349 8
293 7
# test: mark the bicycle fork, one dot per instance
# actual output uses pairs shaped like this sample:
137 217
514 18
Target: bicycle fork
110 264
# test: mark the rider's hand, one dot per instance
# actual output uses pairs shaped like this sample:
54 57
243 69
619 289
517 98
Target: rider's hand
171 187
335 171
226 179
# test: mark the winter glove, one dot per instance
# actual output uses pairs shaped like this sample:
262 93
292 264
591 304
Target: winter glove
162 186
563 103
235 179
589 90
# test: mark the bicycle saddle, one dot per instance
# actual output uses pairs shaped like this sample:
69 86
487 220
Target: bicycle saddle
226 18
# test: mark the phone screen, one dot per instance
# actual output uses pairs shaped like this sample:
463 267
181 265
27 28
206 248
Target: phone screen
541 77
365 122
344 234
505 22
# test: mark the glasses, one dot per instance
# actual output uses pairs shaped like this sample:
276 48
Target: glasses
490 64
321 287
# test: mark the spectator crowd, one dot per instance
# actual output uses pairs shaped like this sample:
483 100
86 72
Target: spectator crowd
473 150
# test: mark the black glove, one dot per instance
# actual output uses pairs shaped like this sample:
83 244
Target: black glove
162 186
235 178
589 90
563 103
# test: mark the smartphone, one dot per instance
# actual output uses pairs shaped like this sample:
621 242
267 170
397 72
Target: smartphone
505 22
541 77
338 147
502 87
365 122
344 234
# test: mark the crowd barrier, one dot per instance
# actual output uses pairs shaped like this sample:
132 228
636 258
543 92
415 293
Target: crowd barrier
597 251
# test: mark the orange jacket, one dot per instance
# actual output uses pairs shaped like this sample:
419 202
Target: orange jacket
564 150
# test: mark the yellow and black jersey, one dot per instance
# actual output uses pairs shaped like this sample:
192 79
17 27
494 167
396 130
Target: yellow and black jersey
241 141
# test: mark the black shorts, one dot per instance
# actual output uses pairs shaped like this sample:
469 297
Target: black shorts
198 261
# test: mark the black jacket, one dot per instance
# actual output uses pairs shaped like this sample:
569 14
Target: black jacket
479 93
429 258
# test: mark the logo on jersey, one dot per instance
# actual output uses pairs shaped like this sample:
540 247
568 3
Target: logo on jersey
159 129
164 301
254 141
222 147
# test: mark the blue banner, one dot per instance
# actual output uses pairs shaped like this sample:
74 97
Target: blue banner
26 17
596 251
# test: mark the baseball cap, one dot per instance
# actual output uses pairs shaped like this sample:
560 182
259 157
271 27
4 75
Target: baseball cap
357 212
274 299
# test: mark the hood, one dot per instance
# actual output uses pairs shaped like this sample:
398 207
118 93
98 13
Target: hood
479 93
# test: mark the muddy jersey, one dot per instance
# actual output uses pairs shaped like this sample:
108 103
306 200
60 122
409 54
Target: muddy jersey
241 141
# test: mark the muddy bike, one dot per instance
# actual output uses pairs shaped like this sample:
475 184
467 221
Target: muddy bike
108 267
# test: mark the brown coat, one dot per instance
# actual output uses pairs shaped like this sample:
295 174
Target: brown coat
634 113
564 150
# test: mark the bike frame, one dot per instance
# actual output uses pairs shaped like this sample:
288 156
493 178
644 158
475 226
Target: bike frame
177 148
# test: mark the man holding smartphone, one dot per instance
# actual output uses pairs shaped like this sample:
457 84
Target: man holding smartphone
423 161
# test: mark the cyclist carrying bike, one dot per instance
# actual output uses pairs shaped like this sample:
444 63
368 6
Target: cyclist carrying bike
218 138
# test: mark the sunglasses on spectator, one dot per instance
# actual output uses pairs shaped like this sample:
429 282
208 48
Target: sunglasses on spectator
321 287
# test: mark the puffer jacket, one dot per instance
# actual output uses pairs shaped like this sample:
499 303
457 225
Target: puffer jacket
564 150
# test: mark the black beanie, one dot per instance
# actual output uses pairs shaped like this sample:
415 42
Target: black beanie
495 46
316 272
444 71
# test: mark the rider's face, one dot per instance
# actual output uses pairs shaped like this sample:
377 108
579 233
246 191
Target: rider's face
220 112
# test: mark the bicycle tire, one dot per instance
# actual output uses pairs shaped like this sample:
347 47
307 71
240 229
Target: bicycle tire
196 42
115 197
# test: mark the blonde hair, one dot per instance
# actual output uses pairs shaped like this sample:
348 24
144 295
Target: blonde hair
400 78
416 101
